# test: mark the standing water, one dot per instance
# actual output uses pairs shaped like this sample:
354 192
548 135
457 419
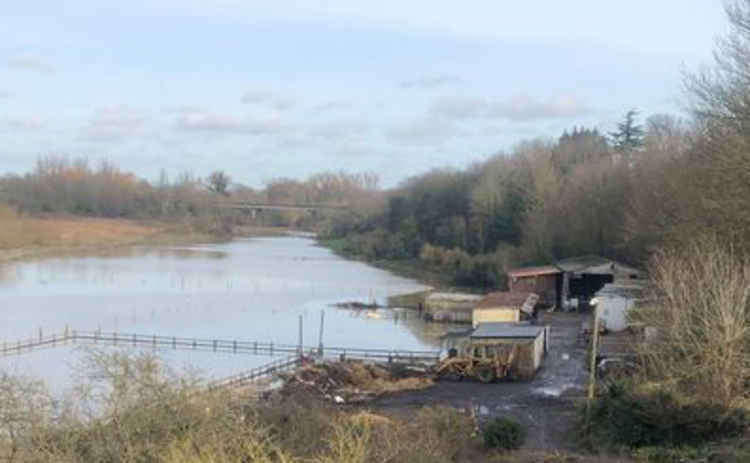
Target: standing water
250 289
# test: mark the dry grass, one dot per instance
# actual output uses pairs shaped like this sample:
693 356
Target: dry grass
18 232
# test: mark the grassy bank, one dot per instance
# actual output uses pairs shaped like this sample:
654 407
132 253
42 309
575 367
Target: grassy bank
414 269
23 237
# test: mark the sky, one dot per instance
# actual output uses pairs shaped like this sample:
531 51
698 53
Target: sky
288 88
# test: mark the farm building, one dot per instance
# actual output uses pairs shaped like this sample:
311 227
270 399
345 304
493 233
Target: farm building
545 281
504 307
531 342
454 307
579 277
615 300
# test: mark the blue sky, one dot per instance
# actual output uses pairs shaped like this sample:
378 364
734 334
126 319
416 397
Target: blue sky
292 87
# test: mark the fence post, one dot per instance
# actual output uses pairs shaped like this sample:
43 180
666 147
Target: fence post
135 339
214 345
300 335
114 338
174 342
255 348
154 341
234 346
271 348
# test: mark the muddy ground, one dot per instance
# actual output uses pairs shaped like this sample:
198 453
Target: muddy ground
546 405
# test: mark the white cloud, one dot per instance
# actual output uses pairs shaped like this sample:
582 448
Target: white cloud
183 109
432 82
268 100
30 63
517 108
332 105
213 122
338 129
115 122
523 107
459 107
428 131
26 123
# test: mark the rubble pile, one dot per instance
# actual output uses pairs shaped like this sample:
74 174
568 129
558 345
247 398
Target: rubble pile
353 381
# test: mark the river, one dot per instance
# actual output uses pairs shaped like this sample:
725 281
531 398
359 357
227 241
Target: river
247 289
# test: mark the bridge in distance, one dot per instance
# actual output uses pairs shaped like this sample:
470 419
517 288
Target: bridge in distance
259 207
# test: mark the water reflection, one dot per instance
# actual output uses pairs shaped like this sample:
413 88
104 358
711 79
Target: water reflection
248 289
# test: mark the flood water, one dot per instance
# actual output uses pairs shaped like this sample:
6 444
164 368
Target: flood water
248 289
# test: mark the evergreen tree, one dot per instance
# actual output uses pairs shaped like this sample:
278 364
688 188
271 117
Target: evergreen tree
629 135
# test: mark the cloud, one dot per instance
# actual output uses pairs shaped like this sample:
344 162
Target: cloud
333 105
432 82
30 63
26 123
523 108
268 100
115 122
211 122
518 108
337 130
428 131
183 109
459 107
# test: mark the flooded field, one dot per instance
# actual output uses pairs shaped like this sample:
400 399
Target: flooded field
250 289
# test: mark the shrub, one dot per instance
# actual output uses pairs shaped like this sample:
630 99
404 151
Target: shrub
504 433
701 314
623 417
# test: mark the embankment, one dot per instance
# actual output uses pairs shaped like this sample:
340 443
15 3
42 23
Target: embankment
24 237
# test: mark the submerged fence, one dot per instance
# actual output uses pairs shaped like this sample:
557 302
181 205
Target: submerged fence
233 346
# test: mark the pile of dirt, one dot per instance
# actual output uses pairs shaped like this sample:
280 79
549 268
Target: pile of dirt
353 381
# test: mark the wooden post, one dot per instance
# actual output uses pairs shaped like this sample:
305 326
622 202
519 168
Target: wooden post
592 363
320 333
300 335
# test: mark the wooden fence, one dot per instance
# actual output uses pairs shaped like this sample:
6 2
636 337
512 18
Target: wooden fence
233 346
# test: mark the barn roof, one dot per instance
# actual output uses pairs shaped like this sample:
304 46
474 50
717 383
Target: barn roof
534 271
583 264
506 299
506 331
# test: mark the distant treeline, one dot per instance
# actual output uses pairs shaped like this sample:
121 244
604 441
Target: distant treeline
653 183
77 186
621 196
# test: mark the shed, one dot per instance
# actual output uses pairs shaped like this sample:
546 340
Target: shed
531 342
615 301
546 282
457 307
504 307
577 277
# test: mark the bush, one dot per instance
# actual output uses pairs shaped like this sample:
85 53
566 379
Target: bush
504 433
623 417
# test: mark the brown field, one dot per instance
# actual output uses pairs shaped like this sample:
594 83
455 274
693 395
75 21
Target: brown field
23 237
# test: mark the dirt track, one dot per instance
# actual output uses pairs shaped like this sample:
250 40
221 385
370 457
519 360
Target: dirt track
546 405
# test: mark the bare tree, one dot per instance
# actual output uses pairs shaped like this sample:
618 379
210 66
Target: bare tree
218 182
701 312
